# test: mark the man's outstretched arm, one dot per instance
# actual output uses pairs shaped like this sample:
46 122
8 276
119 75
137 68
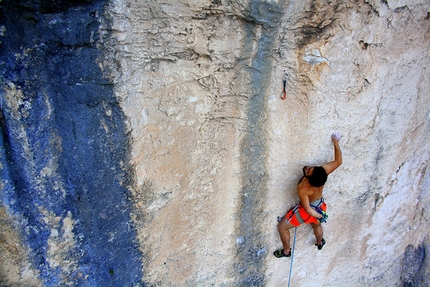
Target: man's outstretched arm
332 166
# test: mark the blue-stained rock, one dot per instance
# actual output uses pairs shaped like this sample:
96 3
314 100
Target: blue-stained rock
64 144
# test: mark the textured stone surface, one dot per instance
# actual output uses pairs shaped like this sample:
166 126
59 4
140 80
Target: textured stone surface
217 154
63 152
167 153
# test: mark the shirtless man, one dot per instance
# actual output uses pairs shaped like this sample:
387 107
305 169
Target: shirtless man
312 208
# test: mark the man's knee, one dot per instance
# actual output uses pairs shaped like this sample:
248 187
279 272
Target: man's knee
284 226
316 226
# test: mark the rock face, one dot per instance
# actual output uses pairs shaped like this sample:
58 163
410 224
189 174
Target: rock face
146 142
63 162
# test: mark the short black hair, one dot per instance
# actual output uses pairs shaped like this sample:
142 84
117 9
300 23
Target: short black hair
318 177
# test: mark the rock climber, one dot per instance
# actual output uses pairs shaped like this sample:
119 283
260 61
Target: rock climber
312 208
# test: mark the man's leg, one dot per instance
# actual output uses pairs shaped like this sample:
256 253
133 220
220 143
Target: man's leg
284 232
318 231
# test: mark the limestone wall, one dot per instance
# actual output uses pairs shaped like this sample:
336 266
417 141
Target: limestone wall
193 154
217 153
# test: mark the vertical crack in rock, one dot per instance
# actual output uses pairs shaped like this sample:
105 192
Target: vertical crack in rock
65 146
258 44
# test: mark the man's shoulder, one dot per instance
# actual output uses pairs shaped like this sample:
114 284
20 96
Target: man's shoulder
305 188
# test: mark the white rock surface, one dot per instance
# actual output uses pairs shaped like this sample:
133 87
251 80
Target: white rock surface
217 153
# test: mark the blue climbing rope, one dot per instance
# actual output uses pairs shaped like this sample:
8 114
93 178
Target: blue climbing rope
292 256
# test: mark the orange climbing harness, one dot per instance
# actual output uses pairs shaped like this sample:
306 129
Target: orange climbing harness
297 215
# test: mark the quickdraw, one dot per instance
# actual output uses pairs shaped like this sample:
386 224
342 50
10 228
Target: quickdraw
284 90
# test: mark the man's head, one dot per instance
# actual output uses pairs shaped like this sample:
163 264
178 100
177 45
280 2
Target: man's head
316 175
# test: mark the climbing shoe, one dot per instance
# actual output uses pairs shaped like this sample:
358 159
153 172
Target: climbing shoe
280 253
322 244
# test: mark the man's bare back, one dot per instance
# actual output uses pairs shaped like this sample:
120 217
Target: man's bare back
308 193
